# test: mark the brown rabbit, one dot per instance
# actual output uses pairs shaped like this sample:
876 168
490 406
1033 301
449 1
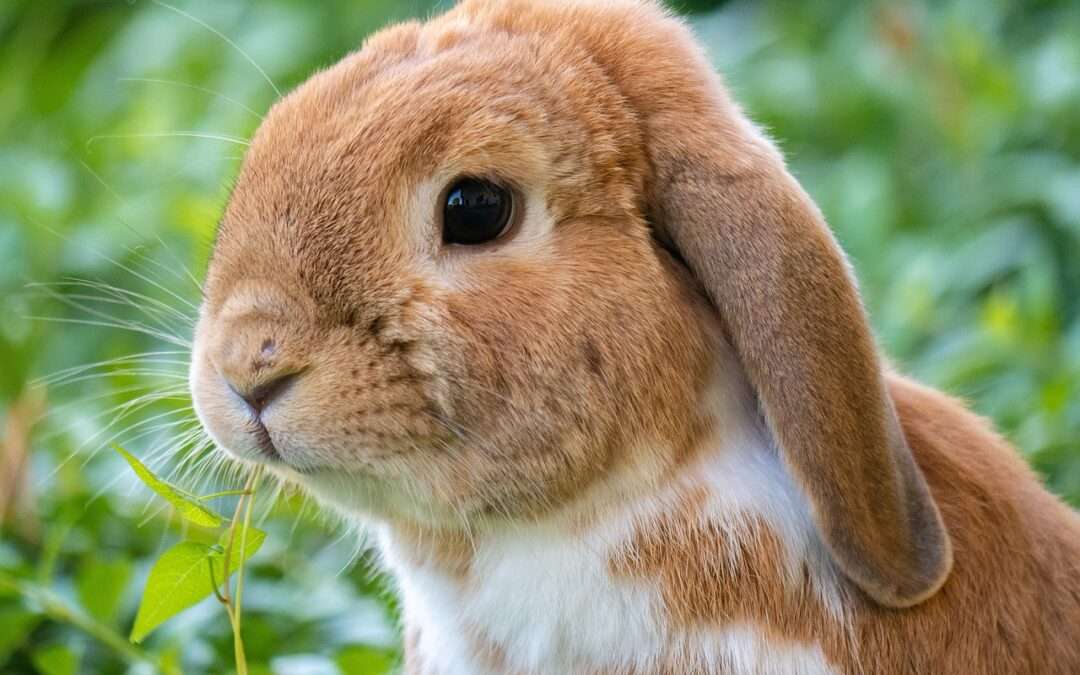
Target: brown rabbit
521 288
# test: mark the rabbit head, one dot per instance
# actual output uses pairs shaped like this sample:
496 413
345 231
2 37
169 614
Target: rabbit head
486 261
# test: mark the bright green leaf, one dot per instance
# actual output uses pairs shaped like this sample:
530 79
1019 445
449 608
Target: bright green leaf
55 659
365 660
181 578
188 507
101 585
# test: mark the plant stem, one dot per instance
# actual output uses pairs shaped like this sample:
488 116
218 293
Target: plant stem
232 603
253 484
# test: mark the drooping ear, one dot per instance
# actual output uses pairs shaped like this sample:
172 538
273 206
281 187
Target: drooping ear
783 289
720 194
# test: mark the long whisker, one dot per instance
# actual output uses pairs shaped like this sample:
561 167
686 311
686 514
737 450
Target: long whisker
53 411
169 134
174 393
151 313
112 321
185 85
224 37
53 377
128 408
170 448
120 200
132 427
156 310
187 275
133 297
122 435
129 270
180 342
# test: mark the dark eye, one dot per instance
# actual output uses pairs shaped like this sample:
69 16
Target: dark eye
476 211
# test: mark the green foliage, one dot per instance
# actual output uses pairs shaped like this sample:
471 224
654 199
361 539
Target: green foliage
181 577
941 139
192 570
187 506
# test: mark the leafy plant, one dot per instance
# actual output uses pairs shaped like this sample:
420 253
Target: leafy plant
193 569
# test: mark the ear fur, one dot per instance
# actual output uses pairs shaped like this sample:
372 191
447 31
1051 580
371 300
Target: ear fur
769 263
720 194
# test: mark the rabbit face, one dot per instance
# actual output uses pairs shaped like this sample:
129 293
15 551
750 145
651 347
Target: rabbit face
356 346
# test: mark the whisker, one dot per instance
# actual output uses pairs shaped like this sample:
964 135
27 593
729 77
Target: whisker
129 408
180 342
172 394
151 313
55 410
134 372
123 267
132 427
168 450
122 435
169 134
120 294
186 85
187 275
224 37
115 322
120 200
53 377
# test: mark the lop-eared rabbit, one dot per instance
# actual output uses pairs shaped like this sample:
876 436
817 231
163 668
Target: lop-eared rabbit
524 291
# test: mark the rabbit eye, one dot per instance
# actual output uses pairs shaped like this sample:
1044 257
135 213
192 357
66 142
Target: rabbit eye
476 211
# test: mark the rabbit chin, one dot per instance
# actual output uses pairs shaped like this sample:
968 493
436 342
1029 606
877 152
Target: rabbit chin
360 497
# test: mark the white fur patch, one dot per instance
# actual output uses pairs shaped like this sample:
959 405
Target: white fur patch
545 600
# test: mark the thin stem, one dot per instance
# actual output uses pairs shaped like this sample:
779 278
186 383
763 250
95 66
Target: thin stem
214 583
232 603
252 485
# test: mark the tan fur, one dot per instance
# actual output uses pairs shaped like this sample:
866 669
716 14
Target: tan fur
461 391
1015 582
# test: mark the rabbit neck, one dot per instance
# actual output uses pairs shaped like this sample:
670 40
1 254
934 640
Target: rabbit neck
584 590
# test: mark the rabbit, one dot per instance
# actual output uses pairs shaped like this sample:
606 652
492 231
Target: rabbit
522 290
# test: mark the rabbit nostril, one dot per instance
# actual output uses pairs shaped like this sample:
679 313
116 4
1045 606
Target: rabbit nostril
261 395
267 349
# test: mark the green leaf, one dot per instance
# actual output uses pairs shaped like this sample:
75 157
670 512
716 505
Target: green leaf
55 660
188 507
101 585
365 660
181 578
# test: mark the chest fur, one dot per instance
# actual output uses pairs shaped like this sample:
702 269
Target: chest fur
682 583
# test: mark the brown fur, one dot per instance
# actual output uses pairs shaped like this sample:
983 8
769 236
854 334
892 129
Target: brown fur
322 190
1008 607
721 194
466 388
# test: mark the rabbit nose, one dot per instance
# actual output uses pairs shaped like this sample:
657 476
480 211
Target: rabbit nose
260 395
253 366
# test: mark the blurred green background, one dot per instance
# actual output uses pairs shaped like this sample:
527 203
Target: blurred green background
942 140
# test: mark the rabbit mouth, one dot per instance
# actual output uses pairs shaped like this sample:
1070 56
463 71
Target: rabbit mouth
264 441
